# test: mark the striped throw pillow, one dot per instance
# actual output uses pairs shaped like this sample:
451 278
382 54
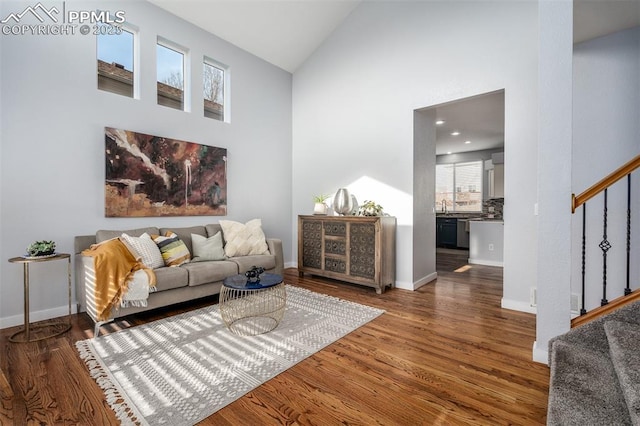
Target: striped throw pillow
173 249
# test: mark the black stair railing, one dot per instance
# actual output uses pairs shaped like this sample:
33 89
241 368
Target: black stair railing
605 245
627 289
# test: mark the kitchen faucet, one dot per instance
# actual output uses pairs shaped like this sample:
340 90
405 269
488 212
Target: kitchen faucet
444 206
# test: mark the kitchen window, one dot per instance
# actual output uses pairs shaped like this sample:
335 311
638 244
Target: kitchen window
458 187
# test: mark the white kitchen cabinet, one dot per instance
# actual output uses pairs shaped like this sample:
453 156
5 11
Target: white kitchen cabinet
496 181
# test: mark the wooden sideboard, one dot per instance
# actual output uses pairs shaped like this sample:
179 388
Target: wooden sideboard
355 249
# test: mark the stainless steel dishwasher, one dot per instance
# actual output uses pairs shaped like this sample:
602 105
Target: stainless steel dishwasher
463 233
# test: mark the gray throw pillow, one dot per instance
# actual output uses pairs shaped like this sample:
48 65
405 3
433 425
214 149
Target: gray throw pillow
207 248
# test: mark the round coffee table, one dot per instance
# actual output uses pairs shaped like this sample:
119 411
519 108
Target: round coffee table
249 308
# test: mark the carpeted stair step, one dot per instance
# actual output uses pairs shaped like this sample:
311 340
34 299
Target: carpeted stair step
624 342
584 388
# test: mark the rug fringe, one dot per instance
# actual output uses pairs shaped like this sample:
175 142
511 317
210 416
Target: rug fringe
114 398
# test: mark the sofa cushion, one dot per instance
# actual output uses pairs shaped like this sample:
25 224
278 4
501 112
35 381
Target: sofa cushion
207 248
243 239
212 229
209 272
266 261
168 278
104 235
174 251
146 249
185 234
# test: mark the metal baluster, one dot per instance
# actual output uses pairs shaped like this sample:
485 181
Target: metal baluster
604 246
627 289
584 252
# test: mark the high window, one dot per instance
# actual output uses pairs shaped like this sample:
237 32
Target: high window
459 187
115 56
171 74
213 84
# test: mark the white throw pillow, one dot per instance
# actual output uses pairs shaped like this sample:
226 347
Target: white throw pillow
207 248
146 249
244 239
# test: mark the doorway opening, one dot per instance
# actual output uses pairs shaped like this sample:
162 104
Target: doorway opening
461 167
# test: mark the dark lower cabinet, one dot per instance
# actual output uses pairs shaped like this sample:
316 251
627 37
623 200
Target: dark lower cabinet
446 232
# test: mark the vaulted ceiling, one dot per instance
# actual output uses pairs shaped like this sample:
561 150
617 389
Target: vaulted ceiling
286 32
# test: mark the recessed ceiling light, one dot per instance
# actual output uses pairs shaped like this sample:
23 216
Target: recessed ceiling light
467 142
449 152
439 122
456 133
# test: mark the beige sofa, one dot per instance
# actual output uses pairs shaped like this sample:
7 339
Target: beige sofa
174 284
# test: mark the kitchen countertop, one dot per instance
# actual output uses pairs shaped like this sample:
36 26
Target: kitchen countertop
462 216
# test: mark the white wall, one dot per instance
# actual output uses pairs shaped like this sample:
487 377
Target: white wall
424 181
606 114
354 103
53 119
554 173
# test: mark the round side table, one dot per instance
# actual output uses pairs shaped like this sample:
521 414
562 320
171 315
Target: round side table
49 329
249 308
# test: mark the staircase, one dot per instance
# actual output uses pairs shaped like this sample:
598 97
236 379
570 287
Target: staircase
595 367
626 293
595 372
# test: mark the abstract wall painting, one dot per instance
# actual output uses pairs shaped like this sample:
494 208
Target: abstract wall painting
155 176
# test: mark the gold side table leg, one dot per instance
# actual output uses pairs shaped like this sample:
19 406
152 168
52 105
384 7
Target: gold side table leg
26 302
69 283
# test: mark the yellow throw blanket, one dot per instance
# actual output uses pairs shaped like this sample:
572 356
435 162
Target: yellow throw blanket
114 266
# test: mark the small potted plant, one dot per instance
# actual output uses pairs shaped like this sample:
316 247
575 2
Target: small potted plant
41 248
320 206
370 208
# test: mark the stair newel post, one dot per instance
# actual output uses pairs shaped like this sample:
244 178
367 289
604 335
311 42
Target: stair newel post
627 289
604 246
584 252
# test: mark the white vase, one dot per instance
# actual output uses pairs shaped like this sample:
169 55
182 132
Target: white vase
320 208
354 205
342 203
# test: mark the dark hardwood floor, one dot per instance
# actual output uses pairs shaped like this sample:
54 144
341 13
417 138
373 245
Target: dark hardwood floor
446 354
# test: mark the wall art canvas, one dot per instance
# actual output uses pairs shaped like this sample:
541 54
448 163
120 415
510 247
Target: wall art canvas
155 176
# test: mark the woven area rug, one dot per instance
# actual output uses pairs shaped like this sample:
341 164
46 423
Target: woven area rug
182 369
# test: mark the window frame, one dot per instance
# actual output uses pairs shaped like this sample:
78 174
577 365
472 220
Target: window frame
135 32
208 61
455 188
186 72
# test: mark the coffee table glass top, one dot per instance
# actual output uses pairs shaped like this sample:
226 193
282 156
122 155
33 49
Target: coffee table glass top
239 281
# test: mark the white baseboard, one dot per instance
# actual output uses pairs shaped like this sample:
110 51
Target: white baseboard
34 316
425 280
540 354
406 285
485 262
516 305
